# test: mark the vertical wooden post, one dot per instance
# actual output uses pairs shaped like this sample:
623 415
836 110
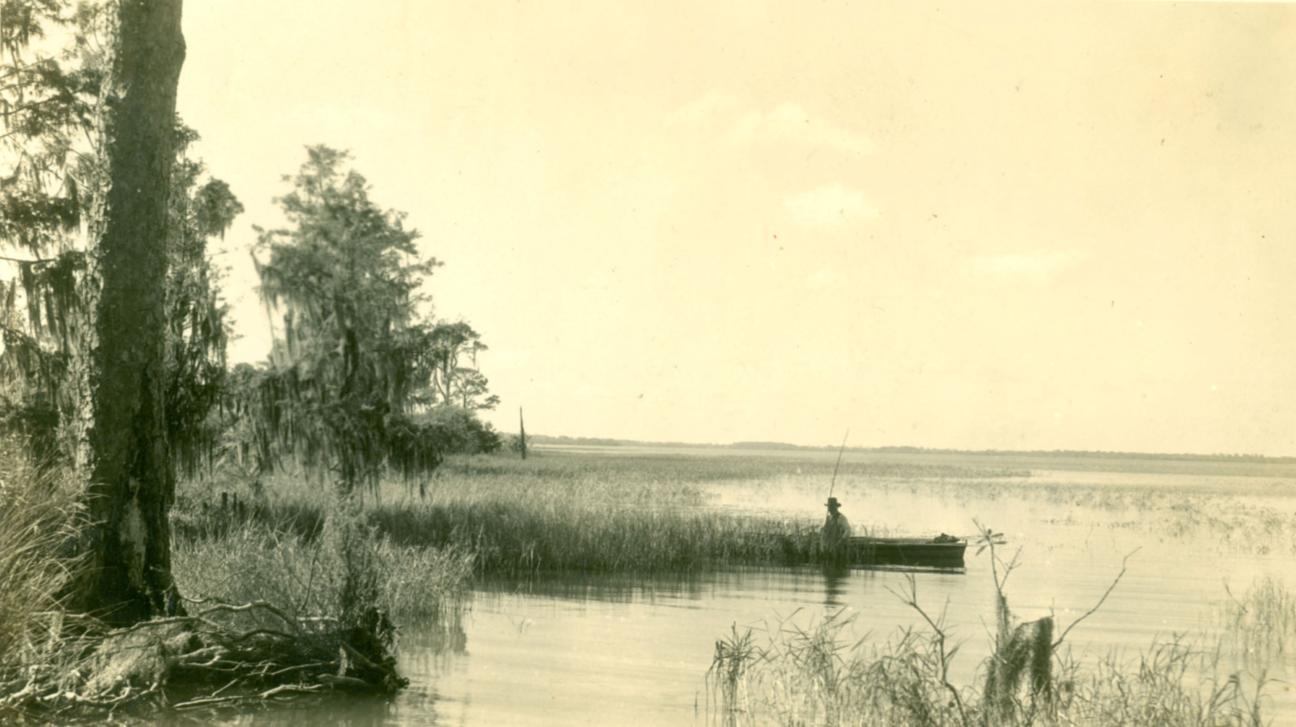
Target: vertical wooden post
521 434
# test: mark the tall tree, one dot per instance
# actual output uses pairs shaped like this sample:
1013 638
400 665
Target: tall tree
51 153
132 486
56 55
346 277
451 351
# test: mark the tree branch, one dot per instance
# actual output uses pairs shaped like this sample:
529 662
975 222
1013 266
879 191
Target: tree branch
1098 605
34 261
912 602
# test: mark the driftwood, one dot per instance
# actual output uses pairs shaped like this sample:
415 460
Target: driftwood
223 655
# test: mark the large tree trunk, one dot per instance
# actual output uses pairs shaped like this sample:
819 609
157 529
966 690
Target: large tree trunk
132 485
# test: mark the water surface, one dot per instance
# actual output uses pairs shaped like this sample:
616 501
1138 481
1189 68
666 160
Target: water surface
619 650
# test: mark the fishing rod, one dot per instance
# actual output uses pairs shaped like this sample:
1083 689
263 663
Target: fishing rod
840 451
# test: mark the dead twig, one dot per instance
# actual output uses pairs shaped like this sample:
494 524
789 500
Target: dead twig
1098 605
938 630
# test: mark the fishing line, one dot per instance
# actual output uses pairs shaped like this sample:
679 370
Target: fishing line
840 451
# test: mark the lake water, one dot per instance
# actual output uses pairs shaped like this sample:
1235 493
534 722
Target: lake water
635 651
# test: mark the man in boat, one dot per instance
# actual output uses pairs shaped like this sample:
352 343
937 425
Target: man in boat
836 531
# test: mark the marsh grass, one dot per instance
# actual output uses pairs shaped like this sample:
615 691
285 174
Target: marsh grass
1172 682
1260 625
531 536
617 516
631 512
38 516
822 675
306 576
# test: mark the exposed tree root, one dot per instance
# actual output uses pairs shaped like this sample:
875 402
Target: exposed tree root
221 656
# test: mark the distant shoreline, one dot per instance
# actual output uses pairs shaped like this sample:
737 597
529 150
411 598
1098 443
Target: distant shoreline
541 439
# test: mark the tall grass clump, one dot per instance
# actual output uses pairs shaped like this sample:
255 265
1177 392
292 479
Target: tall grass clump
344 571
1261 625
821 675
38 514
1171 683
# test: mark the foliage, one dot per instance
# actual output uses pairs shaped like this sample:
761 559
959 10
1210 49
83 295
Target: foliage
1261 624
342 377
201 209
460 429
49 99
48 106
519 520
450 353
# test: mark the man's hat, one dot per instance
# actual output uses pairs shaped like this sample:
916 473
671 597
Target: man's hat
832 502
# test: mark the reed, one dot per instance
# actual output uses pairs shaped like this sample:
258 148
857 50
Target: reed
37 520
1261 624
818 675
306 576
617 516
510 537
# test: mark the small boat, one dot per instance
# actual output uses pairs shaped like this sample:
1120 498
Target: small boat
942 551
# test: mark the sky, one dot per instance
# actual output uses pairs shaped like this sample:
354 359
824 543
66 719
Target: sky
1012 226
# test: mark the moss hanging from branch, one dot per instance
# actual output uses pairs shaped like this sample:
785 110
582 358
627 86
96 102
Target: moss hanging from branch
345 279
49 106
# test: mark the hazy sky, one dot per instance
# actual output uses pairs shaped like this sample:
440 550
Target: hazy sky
1000 226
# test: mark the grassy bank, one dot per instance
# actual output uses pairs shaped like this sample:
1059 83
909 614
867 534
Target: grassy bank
305 576
264 615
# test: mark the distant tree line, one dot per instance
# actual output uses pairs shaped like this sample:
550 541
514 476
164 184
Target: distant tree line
784 446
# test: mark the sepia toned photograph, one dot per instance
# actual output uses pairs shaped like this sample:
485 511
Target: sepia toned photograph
734 364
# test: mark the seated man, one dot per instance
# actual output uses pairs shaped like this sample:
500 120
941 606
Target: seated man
836 531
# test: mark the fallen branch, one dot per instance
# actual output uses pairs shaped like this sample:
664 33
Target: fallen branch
216 658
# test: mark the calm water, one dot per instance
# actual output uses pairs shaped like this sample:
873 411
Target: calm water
635 651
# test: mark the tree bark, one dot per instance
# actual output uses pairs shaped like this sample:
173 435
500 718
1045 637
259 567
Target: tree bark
124 451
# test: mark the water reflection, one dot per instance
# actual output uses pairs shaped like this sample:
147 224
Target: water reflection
612 587
834 583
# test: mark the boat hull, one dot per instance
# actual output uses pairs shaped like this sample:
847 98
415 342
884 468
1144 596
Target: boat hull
906 552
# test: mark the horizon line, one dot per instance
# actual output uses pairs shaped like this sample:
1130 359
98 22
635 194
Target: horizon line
900 448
